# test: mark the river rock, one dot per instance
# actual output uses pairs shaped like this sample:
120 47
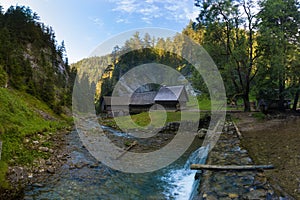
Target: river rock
80 165
94 165
50 170
41 170
72 166
256 194
48 162
26 140
44 149
30 175
210 197
233 195
201 133
38 185
35 142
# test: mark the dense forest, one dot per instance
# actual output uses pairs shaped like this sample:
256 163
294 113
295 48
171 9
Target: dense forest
254 44
31 60
136 51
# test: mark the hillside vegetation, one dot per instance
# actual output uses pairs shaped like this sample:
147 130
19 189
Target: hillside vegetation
31 60
22 118
35 88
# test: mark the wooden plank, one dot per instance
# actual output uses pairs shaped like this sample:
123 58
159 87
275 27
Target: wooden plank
237 130
229 167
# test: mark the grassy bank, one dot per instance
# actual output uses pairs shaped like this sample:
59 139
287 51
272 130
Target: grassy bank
22 119
155 119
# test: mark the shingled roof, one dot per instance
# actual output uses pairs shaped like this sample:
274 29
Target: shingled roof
165 93
171 93
144 98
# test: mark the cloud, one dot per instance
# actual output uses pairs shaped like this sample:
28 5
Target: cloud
122 20
97 21
179 10
147 20
128 6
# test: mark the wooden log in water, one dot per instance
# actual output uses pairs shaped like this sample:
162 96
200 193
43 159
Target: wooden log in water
128 148
229 167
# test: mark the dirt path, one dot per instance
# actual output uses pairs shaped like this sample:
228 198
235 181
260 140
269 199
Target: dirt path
274 141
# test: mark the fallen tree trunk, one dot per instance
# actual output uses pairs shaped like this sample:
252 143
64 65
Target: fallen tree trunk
229 167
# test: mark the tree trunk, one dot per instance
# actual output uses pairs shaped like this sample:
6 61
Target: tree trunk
246 101
281 93
296 99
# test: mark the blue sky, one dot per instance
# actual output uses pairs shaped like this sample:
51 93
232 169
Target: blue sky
84 24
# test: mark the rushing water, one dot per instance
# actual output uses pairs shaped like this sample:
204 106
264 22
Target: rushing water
100 182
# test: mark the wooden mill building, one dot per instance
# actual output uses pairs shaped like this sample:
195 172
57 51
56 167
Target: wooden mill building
171 98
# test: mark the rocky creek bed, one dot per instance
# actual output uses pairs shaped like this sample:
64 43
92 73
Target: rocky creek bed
232 184
71 172
21 176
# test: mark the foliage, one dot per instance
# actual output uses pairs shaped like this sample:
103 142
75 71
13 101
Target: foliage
3 77
31 59
256 50
21 118
279 43
3 170
231 47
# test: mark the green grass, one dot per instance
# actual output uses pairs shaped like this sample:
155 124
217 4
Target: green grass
259 115
159 119
202 103
19 119
3 170
144 119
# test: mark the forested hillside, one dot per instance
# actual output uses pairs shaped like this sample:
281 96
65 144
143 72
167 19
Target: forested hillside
138 50
35 90
31 60
254 44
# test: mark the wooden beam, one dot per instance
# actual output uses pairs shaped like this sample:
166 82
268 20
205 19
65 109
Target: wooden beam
237 130
229 167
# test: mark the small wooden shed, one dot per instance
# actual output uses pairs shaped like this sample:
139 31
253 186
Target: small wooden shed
120 106
141 102
172 97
